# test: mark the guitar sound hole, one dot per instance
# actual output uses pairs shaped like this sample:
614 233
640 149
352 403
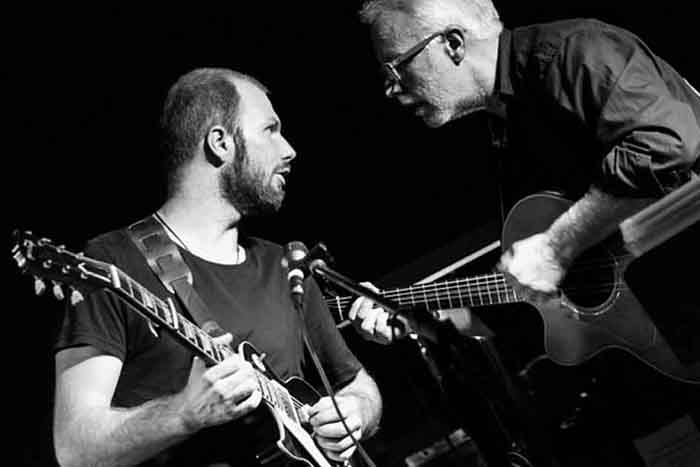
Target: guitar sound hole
591 279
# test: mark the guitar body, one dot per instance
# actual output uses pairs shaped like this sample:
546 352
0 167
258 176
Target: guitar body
597 310
284 440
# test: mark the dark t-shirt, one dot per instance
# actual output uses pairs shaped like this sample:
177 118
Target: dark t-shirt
250 300
588 102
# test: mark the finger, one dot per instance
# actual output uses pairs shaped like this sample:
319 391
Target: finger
247 405
382 331
504 262
370 321
339 444
197 370
370 286
347 454
325 409
224 339
230 365
336 430
238 384
355 308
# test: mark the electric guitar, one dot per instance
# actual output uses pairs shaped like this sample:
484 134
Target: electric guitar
280 417
595 311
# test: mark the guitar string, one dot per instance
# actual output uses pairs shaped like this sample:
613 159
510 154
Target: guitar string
457 291
496 279
485 280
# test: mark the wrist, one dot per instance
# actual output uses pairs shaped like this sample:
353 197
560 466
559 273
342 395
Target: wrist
185 421
560 248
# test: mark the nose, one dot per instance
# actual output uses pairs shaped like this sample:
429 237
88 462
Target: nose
288 152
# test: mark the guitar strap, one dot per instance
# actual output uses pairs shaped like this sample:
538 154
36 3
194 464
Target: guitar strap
167 263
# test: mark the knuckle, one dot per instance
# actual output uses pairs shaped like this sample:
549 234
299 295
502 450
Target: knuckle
220 388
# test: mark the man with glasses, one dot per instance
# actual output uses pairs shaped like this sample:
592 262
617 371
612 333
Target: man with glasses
578 106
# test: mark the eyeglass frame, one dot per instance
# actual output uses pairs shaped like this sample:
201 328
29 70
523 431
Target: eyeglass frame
389 68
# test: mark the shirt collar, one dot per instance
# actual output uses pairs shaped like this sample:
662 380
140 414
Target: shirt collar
504 84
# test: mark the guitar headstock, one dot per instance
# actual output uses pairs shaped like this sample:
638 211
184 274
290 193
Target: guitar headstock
41 258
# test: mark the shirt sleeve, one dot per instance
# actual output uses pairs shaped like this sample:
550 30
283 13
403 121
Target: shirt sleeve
649 135
337 359
98 321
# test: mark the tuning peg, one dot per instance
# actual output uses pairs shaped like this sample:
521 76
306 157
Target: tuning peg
39 286
75 297
58 291
19 257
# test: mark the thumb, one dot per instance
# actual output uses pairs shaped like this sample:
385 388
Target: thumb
370 286
198 368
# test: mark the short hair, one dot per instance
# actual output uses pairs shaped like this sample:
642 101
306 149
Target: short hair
198 100
479 17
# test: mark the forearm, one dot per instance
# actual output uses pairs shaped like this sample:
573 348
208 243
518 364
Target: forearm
366 391
588 221
119 436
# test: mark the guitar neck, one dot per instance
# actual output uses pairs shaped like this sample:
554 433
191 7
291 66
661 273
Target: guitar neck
165 315
488 289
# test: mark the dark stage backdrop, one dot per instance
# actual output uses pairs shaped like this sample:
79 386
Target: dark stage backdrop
82 94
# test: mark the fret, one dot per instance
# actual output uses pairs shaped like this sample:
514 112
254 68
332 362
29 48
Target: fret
425 297
204 342
283 401
459 294
114 276
500 292
148 301
189 331
125 282
174 314
135 290
147 297
340 309
469 293
163 313
479 290
217 351
264 387
410 292
489 291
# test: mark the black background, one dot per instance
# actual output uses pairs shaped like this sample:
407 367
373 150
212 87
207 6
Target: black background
83 90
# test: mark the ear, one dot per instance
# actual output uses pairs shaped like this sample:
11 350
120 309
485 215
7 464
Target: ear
455 45
218 144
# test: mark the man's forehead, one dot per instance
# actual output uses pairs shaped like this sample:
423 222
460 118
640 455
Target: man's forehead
254 102
393 32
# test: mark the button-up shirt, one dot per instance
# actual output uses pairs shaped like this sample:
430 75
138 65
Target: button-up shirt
590 103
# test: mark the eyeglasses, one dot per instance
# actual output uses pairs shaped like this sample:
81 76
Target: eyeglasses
390 68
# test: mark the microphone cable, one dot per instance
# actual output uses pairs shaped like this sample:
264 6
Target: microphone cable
329 390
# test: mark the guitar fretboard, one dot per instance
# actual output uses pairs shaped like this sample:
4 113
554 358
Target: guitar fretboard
165 314
488 289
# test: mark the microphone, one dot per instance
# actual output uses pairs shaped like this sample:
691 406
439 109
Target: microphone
294 255
298 260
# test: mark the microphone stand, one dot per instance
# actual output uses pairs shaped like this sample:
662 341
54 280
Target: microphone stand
417 326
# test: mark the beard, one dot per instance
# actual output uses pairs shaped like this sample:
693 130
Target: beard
246 186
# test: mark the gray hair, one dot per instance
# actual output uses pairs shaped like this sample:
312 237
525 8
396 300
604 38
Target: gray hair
479 17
